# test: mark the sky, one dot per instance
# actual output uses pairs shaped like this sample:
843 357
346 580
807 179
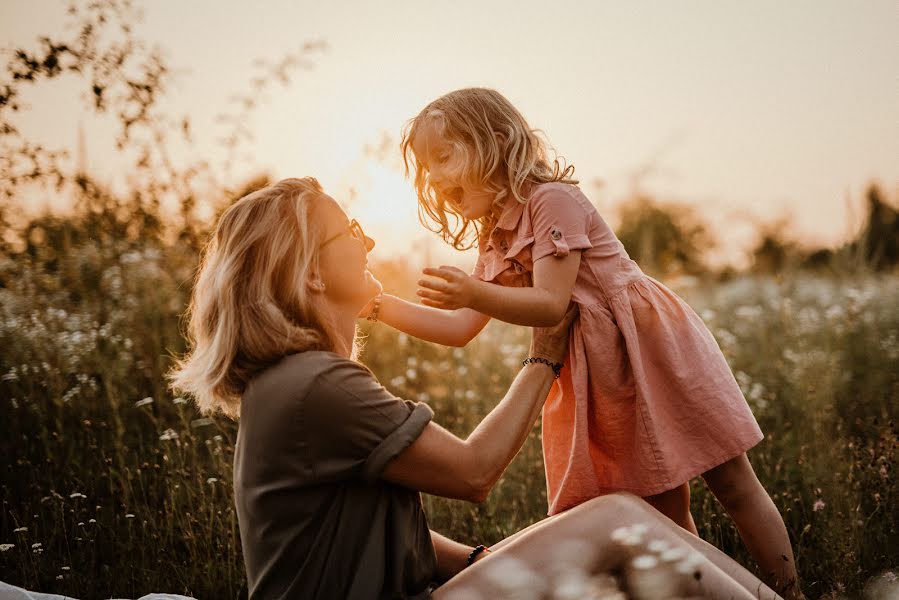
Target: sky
749 111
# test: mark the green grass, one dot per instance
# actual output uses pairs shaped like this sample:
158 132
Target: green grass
107 493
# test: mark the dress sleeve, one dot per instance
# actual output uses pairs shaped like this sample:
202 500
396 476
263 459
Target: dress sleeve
560 223
356 426
478 271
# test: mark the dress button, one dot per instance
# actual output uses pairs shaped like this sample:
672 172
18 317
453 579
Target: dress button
518 268
504 245
556 234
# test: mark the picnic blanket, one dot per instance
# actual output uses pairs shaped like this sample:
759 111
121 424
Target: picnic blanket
11 592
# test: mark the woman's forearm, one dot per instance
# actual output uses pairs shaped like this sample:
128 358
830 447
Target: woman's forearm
498 438
430 324
452 556
531 306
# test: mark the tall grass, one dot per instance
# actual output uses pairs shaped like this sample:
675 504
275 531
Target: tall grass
112 487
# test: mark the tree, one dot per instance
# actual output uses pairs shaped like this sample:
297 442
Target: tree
664 239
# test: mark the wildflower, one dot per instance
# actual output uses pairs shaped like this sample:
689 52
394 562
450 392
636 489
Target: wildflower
179 400
168 434
411 374
129 516
66 568
5 547
201 422
20 530
818 505
144 402
211 480
77 495
92 521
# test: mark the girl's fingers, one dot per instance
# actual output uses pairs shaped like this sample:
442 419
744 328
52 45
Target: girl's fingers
439 285
441 272
435 296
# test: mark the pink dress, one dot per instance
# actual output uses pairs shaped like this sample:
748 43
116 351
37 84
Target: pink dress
646 400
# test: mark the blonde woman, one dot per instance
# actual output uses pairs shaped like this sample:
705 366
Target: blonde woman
329 465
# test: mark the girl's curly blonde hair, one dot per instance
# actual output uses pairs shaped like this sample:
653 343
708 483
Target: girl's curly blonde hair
494 139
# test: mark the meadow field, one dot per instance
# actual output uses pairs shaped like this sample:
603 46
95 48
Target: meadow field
112 487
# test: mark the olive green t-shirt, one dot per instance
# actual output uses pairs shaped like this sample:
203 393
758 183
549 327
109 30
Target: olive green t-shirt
316 521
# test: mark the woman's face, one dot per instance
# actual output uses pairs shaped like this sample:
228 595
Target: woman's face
444 164
343 258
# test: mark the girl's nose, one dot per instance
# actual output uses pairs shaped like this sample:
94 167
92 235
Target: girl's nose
369 244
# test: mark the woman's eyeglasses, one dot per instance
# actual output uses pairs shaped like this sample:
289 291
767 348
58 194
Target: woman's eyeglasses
355 231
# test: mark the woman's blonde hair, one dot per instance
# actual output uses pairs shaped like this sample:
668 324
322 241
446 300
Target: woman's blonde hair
493 138
250 305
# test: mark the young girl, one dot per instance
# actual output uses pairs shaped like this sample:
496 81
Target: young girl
646 401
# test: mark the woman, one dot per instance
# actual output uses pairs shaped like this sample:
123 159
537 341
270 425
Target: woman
328 464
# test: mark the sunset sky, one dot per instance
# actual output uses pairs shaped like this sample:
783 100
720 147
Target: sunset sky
750 111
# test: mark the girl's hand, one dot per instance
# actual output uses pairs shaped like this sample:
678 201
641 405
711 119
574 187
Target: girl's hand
453 289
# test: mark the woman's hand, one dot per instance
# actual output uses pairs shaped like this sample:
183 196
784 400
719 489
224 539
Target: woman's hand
551 343
452 289
370 305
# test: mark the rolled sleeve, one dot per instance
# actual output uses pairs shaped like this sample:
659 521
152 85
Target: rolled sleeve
401 438
560 223
359 426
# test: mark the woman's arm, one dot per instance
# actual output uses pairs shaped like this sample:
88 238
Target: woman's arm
449 328
439 463
540 306
452 556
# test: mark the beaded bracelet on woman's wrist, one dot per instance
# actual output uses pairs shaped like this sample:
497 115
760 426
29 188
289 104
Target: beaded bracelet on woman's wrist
473 555
556 367
373 315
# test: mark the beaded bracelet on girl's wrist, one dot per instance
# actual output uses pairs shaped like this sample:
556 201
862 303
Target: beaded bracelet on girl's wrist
556 367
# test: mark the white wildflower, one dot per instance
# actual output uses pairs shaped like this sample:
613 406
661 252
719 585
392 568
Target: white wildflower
168 434
5 547
144 402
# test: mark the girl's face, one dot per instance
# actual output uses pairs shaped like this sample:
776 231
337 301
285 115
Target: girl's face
444 163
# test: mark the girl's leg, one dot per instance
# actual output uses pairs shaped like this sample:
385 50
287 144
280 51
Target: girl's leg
593 522
760 525
675 504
